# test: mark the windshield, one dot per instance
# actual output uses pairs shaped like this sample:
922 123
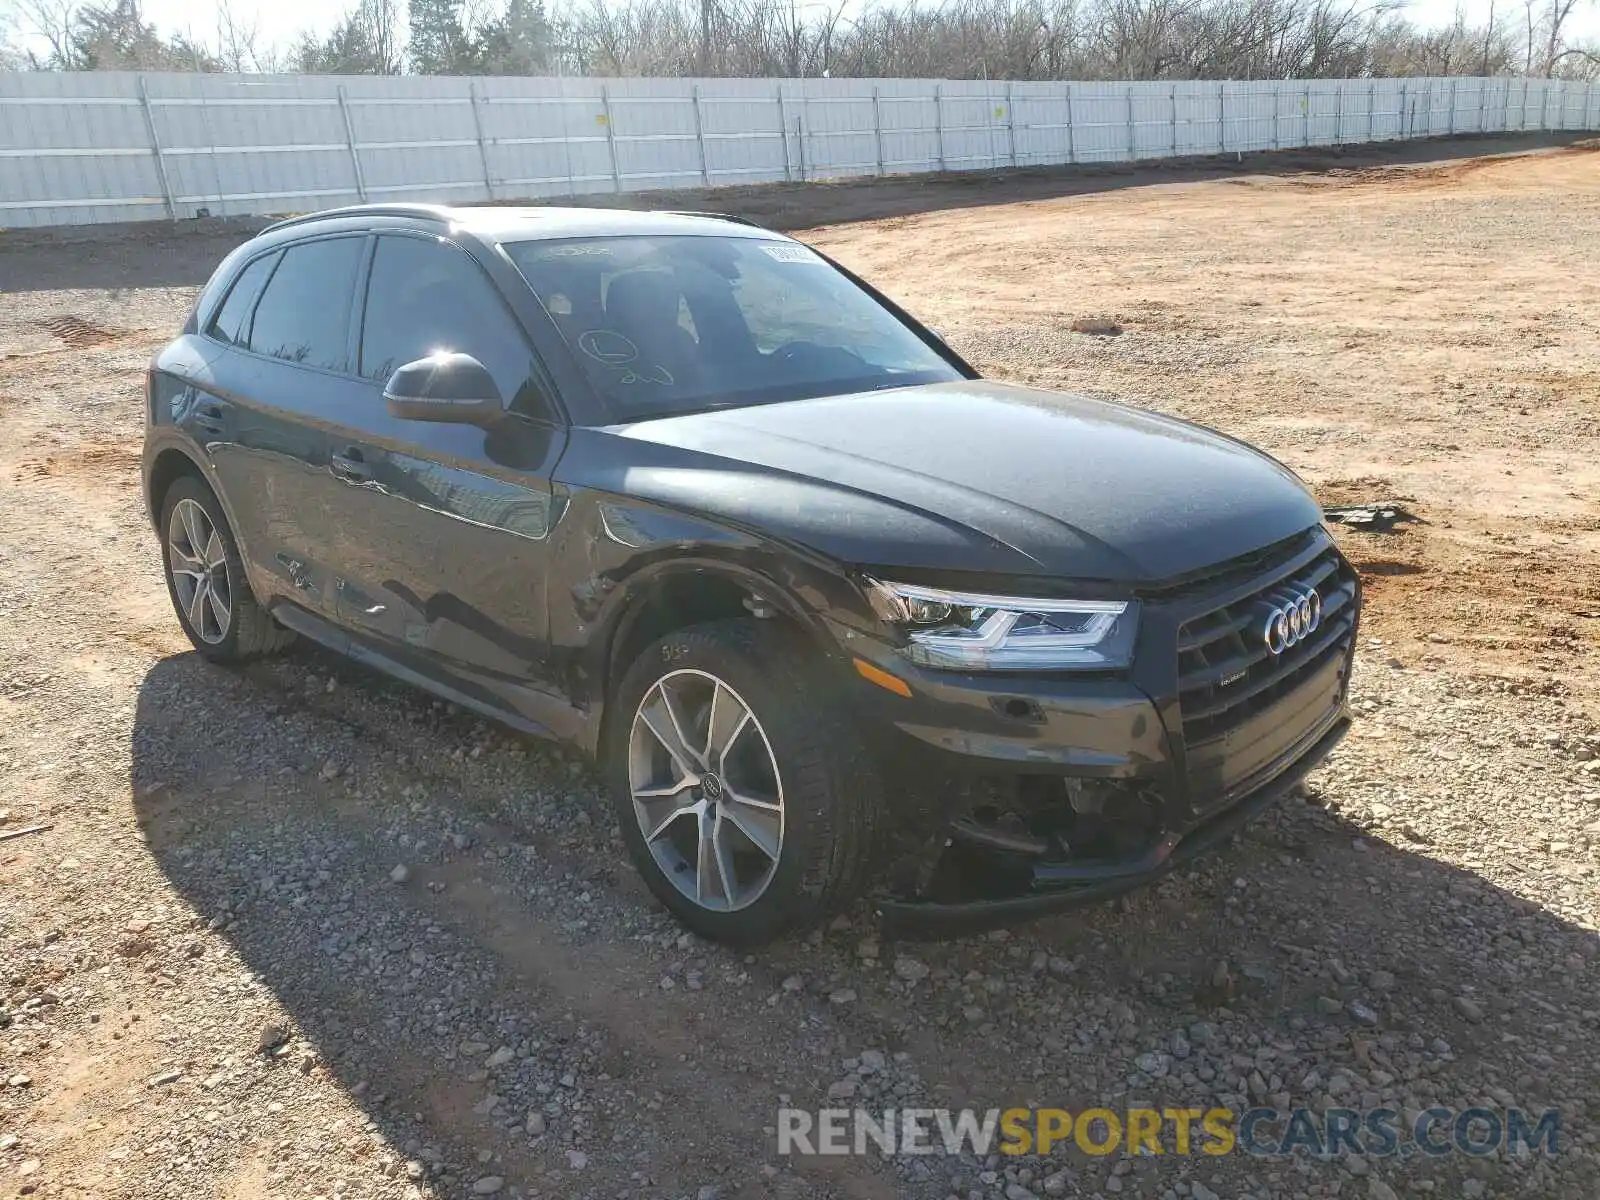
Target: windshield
666 325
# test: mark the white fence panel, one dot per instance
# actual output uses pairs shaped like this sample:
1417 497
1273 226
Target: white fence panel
81 148
908 122
545 137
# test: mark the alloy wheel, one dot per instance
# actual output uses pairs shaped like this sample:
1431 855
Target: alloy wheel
706 790
198 561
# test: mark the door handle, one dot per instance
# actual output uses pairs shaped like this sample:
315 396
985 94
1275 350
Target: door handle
208 418
349 464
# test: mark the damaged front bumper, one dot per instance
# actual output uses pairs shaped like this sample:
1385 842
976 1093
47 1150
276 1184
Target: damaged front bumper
1026 795
1028 878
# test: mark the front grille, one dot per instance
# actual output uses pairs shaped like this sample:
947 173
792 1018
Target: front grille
1226 673
1211 579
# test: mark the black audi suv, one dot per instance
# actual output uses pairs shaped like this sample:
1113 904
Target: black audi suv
832 613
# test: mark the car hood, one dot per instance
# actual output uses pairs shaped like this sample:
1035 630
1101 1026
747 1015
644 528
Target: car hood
979 476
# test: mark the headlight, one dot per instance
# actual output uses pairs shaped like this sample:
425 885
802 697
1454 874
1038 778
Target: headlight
974 632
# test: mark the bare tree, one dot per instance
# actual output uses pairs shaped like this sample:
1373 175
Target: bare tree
1555 21
49 22
1014 39
239 45
11 56
1579 62
960 39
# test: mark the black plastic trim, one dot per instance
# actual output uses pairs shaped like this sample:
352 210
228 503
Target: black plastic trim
923 919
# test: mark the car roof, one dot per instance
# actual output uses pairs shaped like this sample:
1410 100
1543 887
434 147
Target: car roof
495 223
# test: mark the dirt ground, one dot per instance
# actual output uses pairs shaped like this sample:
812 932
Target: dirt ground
210 983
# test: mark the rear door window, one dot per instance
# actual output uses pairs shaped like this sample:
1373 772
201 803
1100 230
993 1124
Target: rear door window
232 322
304 315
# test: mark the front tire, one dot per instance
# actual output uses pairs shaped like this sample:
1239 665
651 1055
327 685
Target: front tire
206 579
749 807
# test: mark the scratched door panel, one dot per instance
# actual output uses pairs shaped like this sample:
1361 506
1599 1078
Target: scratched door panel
446 546
486 608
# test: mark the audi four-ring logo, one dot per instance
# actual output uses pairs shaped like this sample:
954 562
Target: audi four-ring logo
1296 616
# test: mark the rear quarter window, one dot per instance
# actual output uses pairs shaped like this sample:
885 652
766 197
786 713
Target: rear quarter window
231 322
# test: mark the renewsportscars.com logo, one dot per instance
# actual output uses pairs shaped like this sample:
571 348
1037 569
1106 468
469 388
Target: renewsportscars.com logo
1263 1132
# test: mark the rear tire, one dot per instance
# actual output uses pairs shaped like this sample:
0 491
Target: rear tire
206 579
764 806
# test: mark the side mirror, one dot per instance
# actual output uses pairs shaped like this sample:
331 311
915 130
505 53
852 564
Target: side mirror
454 388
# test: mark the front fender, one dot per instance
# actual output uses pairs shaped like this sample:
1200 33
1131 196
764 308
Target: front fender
612 553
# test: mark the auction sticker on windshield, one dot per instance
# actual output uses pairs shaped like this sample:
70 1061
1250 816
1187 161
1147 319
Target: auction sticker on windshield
786 253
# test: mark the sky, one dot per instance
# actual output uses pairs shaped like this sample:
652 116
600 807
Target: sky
280 20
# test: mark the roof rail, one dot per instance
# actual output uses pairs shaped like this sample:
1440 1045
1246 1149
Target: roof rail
712 216
431 212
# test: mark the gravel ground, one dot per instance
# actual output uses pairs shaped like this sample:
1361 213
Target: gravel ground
298 931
